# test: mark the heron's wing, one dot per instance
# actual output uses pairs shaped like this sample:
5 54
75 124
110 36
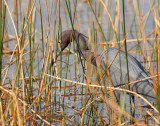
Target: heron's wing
119 75
134 66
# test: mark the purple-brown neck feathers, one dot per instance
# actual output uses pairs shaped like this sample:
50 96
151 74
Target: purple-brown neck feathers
73 35
69 35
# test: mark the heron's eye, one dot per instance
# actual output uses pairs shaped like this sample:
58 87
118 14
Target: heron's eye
59 41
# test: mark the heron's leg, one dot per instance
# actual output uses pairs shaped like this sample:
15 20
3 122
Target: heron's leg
133 106
133 88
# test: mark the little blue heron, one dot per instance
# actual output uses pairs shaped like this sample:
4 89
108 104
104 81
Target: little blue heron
118 69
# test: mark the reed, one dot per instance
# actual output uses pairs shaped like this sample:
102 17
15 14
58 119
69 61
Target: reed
73 91
2 28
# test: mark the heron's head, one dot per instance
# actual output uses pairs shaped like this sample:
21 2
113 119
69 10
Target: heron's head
73 35
80 39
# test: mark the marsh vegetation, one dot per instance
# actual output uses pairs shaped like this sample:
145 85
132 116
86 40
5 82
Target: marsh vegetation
69 93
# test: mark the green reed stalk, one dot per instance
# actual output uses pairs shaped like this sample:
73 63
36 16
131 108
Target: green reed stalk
60 83
133 22
125 44
30 88
2 28
136 33
66 74
42 45
41 28
153 3
158 66
18 55
101 30
1 37
109 27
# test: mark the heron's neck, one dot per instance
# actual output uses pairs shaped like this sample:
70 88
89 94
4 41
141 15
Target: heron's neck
87 55
69 35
